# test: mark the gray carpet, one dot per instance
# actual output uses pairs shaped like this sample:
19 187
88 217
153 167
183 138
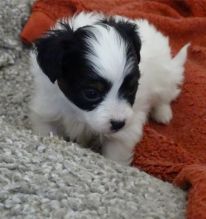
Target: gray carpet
51 178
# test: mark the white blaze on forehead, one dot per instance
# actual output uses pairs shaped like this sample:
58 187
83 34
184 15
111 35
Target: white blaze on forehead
78 20
108 52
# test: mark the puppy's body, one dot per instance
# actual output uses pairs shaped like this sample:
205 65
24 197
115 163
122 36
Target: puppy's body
116 119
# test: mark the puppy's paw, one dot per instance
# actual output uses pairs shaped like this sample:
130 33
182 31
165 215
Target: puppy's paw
162 113
117 152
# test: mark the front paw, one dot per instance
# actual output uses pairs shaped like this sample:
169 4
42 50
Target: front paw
162 113
116 151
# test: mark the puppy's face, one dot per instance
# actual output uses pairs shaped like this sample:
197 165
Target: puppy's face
96 67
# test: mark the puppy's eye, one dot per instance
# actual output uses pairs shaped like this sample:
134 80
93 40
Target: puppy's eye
91 94
132 90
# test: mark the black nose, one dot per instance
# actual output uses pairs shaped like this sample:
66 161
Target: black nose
117 125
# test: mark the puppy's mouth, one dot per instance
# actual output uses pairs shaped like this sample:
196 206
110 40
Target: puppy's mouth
107 132
112 132
115 131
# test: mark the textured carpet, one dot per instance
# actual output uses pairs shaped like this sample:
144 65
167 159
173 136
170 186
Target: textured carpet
50 178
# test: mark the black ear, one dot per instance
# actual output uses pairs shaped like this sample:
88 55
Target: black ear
127 30
50 51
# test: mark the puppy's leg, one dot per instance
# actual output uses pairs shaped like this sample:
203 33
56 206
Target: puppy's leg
120 146
162 113
118 151
41 127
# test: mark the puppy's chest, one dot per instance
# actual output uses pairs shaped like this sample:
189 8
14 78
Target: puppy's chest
78 132
75 130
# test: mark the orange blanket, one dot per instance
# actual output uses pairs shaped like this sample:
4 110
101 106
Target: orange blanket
177 152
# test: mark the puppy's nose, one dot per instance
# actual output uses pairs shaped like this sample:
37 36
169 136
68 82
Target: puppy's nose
117 125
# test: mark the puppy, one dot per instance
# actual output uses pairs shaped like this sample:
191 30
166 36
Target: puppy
98 78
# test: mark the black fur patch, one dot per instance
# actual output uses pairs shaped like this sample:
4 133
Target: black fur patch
61 56
129 87
129 33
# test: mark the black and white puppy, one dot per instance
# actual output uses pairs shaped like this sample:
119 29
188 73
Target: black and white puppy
97 79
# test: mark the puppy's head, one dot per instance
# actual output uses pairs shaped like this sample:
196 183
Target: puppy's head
96 67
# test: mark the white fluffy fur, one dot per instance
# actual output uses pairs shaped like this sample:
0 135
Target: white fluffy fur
161 76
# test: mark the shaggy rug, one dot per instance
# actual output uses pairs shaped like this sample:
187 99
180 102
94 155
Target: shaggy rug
51 178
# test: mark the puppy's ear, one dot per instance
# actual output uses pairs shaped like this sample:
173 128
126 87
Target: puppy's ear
131 31
50 51
127 30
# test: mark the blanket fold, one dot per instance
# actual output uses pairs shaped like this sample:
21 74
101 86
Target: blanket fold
175 153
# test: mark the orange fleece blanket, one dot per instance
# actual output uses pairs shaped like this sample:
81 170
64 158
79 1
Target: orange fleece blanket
175 153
